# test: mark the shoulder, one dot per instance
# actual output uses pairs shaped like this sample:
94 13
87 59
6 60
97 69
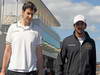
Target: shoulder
89 37
92 40
68 38
12 27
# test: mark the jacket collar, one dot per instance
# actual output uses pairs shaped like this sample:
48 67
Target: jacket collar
86 37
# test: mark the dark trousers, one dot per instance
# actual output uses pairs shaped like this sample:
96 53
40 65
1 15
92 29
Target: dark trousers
21 73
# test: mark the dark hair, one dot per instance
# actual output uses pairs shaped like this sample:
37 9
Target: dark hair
29 4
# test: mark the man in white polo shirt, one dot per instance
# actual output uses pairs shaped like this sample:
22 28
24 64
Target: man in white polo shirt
23 46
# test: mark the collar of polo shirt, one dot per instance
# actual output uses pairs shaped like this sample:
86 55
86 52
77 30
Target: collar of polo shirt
24 27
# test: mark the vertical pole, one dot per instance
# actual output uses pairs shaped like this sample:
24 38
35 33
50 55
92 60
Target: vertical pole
2 12
17 12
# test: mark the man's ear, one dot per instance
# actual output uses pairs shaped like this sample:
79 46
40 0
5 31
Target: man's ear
85 26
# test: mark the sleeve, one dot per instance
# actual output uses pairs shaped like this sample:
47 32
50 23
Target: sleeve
93 61
8 36
59 66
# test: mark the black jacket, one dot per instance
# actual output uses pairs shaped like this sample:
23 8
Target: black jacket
76 59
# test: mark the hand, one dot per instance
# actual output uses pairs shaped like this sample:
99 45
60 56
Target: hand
2 73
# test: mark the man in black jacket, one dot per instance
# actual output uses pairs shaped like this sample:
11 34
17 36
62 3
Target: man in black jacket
78 52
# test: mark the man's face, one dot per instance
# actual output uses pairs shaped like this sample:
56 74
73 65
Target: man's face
27 15
80 27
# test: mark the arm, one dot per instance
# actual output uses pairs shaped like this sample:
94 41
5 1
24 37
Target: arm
93 60
59 65
6 57
39 60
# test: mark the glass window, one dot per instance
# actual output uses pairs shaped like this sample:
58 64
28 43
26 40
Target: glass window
49 39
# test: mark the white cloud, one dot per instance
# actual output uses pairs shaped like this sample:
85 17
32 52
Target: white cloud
98 38
92 28
95 11
65 10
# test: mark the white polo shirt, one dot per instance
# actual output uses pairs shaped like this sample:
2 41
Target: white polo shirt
23 41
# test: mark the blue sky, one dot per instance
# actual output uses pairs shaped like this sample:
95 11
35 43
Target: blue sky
93 2
65 10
